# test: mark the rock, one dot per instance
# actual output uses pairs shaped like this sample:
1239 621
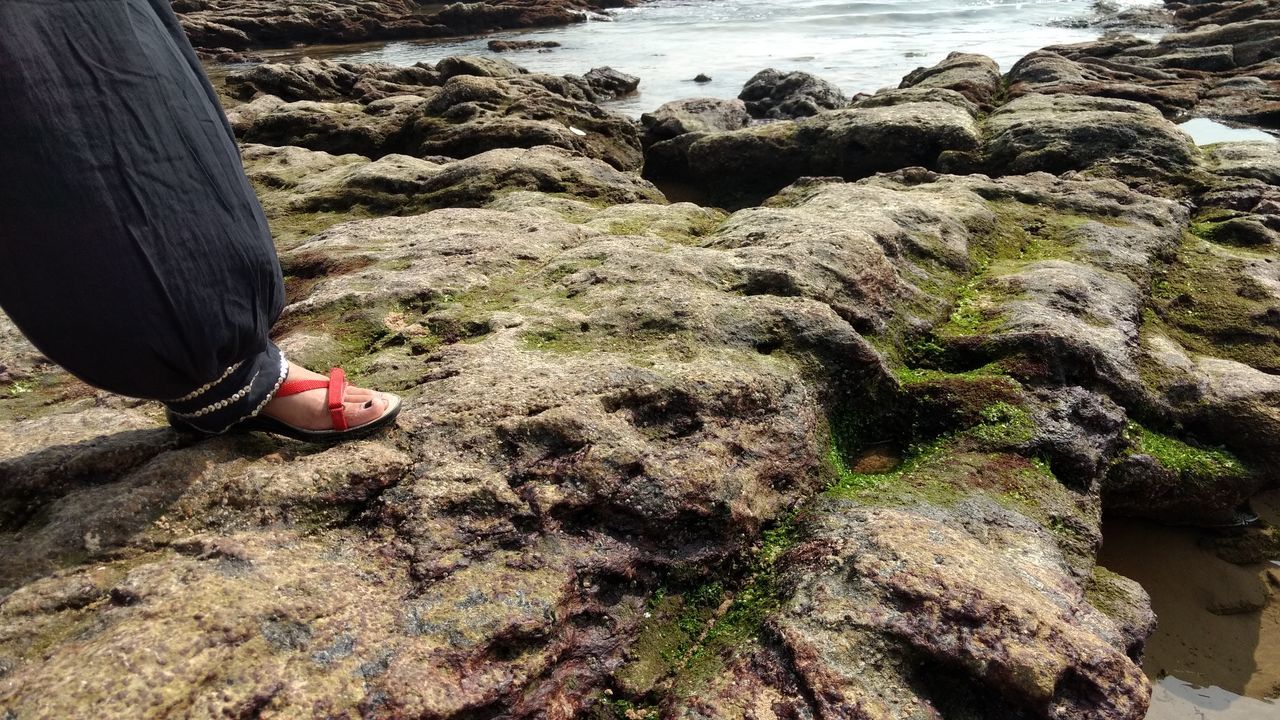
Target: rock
327 80
844 453
1257 160
470 113
1057 133
500 46
1221 64
1209 59
1050 73
849 143
1113 18
701 115
19 359
891 97
1126 604
774 94
483 178
468 18
669 159
894 582
1204 493
477 66
608 82
702 78
603 398
244 24
294 183
339 128
976 77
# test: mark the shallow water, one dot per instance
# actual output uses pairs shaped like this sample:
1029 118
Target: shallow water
1205 665
1207 132
859 45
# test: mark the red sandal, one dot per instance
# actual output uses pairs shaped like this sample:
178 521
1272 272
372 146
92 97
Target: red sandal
337 387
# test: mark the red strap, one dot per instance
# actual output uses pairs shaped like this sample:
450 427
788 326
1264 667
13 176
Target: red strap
337 387
337 392
293 387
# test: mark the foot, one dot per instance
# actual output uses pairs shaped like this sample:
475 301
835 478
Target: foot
310 411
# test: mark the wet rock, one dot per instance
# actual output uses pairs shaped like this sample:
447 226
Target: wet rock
701 115
977 77
1257 160
500 46
1128 606
702 78
1066 72
245 24
778 95
1112 17
293 181
1218 65
609 83
1058 133
849 143
1028 638
310 79
1205 493
466 115
478 66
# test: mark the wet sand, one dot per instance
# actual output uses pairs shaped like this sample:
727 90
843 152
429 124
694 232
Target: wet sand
1216 652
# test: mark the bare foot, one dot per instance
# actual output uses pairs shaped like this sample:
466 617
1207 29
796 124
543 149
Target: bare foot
310 410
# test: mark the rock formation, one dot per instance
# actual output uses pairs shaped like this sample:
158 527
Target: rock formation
842 452
219 26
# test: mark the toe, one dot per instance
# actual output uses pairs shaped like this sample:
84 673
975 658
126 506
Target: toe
360 411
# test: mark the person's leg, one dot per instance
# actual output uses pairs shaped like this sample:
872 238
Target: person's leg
133 251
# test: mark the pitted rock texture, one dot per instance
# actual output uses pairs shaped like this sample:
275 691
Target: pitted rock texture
780 95
843 453
1221 63
601 399
461 107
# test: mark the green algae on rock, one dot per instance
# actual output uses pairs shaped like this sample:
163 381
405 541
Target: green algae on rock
843 453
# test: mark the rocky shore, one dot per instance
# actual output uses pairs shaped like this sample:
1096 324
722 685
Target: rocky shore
222 30
835 443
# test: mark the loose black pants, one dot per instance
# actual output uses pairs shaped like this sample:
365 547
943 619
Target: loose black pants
133 251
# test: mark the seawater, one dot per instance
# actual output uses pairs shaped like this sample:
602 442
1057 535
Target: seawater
860 46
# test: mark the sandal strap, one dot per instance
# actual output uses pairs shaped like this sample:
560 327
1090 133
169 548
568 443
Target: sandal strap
293 387
337 395
337 387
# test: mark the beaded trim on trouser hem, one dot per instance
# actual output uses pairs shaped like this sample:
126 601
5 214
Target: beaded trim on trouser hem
284 372
208 386
224 402
239 393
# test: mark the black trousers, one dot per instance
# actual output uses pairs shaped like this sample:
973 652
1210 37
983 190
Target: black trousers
133 251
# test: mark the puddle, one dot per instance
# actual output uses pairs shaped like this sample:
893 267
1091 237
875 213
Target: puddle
1216 652
1206 132
1173 699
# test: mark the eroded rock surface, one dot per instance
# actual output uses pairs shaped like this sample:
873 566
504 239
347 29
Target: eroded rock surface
841 453
215 25
603 399
461 107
